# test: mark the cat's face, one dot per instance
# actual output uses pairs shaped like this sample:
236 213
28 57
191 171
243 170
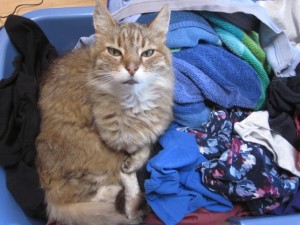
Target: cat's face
131 56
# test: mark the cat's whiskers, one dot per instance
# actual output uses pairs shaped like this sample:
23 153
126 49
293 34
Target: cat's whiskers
99 77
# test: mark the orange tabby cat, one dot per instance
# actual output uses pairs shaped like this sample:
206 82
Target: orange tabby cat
102 107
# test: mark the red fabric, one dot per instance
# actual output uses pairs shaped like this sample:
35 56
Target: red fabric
297 123
54 223
200 217
298 160
203 217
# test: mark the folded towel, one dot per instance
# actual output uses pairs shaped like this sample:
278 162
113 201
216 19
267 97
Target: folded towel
209 72
244 45
191 115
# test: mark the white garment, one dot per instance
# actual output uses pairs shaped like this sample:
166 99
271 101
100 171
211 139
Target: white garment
255 128
286 15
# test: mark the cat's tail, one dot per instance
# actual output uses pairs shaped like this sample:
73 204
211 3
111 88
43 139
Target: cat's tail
88 213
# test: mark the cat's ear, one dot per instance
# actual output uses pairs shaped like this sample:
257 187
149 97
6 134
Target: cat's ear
161 21
103 21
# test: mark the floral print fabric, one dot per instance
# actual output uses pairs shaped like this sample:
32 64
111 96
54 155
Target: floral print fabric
240 170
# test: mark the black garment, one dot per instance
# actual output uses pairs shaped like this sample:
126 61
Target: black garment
251 23
142 173
19 116
283 100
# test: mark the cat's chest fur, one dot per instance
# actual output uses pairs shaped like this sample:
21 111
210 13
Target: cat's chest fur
139 100
132 119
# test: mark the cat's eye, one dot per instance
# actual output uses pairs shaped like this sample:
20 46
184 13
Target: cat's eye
114 52
147 53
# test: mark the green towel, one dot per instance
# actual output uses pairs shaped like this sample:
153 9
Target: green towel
244 45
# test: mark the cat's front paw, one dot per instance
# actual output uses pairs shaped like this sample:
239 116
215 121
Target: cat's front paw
136 217
129 165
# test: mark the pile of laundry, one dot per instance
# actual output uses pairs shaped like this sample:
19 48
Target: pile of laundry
235 139
233 147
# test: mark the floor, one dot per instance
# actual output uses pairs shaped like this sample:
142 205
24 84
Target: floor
8 6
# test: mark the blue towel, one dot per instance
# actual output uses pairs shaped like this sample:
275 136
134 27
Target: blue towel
246 46
191 115
189 107
209 72
175 188
186 29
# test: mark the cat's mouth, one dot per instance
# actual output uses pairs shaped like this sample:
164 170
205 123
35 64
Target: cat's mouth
130 82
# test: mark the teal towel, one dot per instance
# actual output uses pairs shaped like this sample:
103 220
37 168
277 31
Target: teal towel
244 45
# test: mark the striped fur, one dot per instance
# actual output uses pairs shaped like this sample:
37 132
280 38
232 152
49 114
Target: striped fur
102 108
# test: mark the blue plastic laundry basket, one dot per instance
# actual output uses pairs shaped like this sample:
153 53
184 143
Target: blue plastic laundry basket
64 27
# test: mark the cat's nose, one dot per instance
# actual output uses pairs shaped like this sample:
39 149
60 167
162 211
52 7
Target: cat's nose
132 68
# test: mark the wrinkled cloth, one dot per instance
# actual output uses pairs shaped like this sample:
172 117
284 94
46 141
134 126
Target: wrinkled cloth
244 171
210 73
282 103
174 188
288 207
255 128
297 122
116 5
213 137
286 15
204 217
54 223
19 116
244 45
85 41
